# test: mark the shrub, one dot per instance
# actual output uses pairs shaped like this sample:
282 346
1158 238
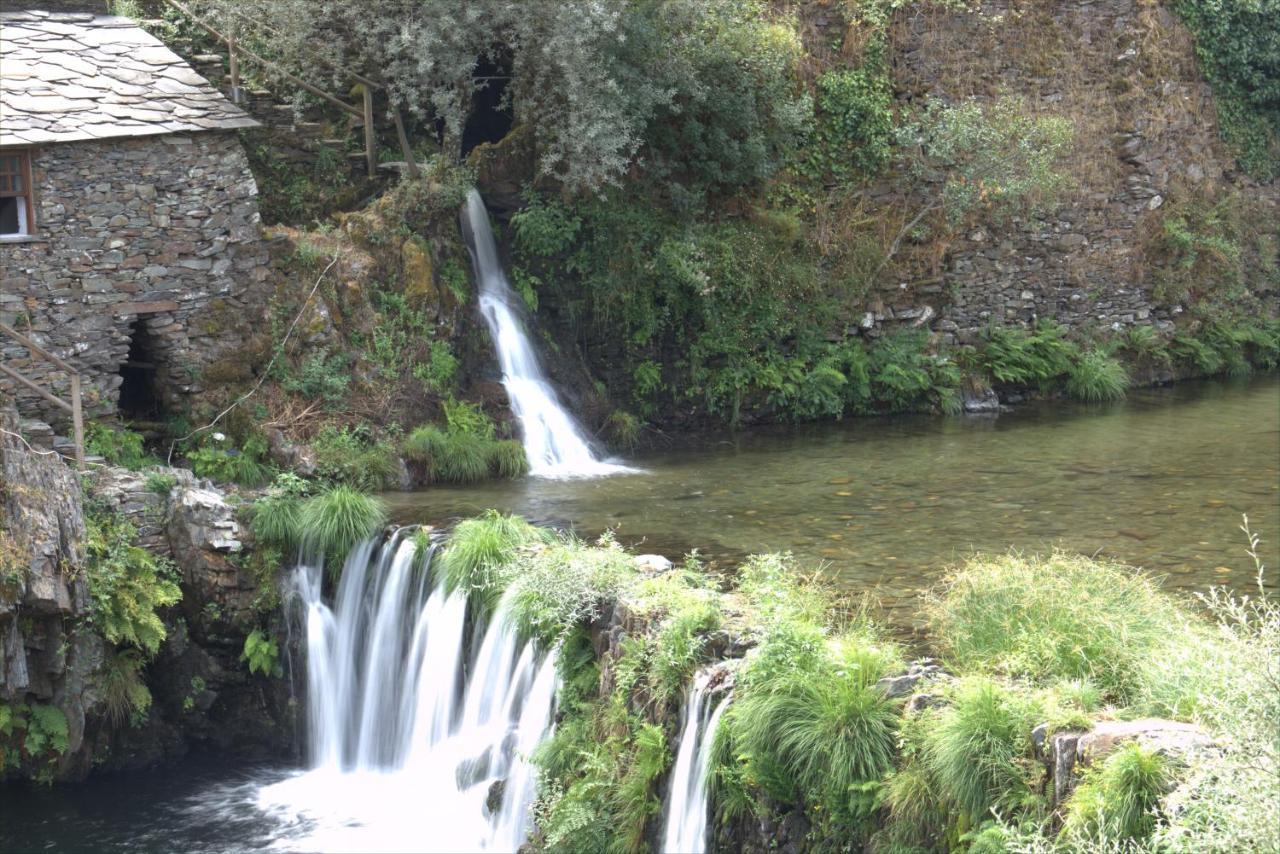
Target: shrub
117 445
351 458
161 483
334 521
1024 357
465 460
460 456
1054 618
553 589
127 583
821 736
854 133
246 466
507 459
1096 377
1118 798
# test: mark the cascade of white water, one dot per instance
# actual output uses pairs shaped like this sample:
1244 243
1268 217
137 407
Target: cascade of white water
553 441
685 830
410 732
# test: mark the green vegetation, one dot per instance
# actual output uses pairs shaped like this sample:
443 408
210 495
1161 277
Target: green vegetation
1056 618
119 446
1118 799
127 583
1237 46
34 734
245 465
332 522
466 450
124 692
262 654
351 458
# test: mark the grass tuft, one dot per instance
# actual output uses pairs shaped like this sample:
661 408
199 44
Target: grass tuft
334 521
1055 618
1096 377
1117 800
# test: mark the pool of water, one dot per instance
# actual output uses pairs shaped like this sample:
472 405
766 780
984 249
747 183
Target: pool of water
1159 480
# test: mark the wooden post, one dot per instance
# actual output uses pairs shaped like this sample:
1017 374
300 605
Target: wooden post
77 420
370 154
234 62
410 166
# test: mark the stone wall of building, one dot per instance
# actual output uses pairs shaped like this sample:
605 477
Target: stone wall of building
160 230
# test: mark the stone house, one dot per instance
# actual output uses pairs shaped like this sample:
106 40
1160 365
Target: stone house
129 226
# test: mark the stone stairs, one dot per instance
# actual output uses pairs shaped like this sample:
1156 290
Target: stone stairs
41 436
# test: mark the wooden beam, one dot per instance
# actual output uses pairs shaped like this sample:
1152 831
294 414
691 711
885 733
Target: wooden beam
57 401
405 151
77 419
35 348
370 144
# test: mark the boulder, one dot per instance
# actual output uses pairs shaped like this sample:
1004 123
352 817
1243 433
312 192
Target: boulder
1065 752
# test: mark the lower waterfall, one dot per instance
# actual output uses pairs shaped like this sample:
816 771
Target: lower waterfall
685 829
420 727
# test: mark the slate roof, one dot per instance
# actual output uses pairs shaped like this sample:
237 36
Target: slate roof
66 77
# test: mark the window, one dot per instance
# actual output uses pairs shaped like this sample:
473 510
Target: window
17 213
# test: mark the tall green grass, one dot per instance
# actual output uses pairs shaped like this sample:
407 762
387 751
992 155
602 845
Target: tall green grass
1117 799
478 548
1096 377
332 522
975 747
1054 618
462 457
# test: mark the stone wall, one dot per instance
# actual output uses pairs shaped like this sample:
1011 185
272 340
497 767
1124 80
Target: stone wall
162 230
1124 73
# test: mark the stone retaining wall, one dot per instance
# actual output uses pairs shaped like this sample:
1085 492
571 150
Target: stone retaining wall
162 229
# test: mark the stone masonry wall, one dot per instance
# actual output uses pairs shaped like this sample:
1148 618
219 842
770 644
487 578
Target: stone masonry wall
1124 73
162 229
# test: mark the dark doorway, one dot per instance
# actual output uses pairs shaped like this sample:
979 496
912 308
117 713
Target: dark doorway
139 393
490 117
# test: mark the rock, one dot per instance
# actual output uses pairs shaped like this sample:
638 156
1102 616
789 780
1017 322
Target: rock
493 801
1064 752
923 670
652 564
297 458
981 402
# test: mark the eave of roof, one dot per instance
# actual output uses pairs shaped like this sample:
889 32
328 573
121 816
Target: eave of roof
68 77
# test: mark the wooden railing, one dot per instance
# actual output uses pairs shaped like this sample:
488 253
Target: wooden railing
364 110
74 406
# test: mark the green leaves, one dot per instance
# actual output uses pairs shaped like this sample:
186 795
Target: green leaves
127 583
262 654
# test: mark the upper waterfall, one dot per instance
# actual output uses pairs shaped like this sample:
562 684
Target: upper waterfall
553 441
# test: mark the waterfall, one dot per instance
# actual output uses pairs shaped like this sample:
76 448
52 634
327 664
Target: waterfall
554 442
687 805
421 725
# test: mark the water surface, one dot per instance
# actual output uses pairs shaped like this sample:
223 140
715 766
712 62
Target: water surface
1159 480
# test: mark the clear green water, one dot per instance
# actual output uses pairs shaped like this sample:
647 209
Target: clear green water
1159 480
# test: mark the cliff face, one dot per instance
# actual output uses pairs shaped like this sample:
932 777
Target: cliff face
54 657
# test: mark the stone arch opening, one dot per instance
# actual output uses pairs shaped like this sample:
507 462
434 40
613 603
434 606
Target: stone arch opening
140 398
490 118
